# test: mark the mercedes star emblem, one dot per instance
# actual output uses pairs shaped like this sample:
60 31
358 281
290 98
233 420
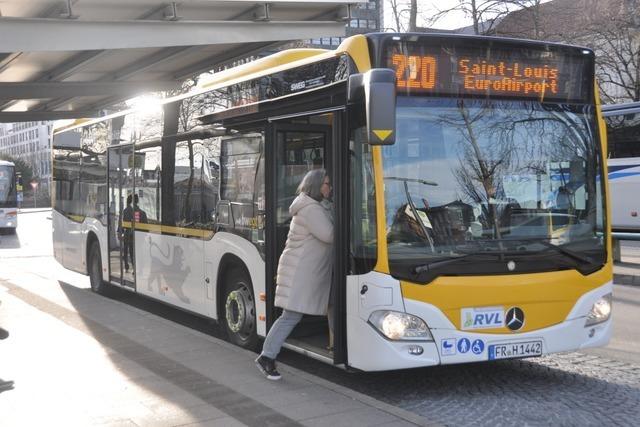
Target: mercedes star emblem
515 318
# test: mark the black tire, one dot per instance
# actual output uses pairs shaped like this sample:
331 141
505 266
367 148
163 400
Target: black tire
239 310
94 266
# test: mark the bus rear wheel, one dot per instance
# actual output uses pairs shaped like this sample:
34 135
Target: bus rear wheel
240 310
95 270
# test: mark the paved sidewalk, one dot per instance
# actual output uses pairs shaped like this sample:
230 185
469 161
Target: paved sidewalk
79 359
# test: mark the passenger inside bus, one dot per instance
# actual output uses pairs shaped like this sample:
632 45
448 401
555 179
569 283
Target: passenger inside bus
130 214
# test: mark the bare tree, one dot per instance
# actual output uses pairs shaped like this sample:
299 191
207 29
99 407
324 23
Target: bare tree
533 11
397 13
611 28
483 13
616 42
413 16
405 14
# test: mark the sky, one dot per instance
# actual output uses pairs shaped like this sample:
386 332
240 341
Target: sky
427 7
452 20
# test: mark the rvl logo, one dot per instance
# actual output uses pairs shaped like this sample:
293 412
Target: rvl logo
482 318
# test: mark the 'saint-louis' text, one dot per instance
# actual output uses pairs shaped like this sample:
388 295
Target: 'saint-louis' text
514 78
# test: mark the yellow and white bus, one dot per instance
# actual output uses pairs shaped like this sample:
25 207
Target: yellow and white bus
469 195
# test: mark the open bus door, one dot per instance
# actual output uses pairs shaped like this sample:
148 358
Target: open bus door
295 146
121 230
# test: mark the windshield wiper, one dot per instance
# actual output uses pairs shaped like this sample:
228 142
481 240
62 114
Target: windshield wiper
543 241
582 258
419 181
466 254
437 264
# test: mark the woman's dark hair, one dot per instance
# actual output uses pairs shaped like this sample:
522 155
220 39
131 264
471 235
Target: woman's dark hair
135 199
311 184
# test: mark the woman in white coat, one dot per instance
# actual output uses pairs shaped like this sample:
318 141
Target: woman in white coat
305 267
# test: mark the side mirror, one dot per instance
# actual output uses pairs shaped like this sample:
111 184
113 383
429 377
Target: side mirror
378 88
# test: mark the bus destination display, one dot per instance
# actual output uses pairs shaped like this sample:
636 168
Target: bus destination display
537 75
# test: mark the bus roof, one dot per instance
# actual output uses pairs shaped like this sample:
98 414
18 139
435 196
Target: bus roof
6 163
497 39
279 61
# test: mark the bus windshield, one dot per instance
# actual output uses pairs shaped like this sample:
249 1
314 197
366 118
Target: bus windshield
7 187
488 182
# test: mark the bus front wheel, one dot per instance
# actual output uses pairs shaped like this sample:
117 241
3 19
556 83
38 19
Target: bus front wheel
95 270
240 310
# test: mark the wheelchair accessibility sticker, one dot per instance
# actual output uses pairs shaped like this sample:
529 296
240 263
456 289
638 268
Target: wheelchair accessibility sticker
477 347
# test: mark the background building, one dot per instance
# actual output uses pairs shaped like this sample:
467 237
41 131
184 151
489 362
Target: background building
30 142
365 18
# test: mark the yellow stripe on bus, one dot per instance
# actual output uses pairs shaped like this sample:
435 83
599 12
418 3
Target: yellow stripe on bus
157 228
268 63
76 218
602 130
382 264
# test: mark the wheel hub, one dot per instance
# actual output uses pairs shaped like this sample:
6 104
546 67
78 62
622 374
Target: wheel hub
239 312
235 311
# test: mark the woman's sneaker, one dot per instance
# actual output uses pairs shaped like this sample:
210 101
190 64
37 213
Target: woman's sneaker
268 367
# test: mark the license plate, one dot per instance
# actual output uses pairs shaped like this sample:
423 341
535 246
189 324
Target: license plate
513 350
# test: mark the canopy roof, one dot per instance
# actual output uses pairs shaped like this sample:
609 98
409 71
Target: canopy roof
73 58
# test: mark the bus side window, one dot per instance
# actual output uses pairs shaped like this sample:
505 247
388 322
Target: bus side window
187 186
66 179
241 183
210 180
209 191
623 135
149 183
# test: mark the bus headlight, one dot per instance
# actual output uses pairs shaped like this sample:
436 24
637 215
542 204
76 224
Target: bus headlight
600 311
400 326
